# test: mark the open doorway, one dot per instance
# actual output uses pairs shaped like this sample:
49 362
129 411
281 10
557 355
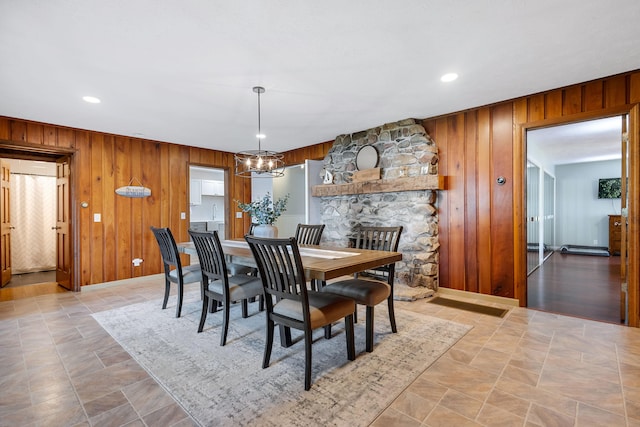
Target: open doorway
207 200
33 222
572 267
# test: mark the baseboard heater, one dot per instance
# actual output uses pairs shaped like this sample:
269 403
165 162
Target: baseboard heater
584 250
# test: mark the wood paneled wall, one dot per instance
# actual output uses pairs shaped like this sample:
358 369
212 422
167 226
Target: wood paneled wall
482 228
102 162
481 222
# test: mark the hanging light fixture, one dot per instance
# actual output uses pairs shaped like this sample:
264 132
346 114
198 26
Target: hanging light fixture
259 163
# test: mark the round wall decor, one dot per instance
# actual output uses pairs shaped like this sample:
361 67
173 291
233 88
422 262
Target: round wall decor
367 158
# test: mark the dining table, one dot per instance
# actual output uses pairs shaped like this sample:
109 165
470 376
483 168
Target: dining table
321 262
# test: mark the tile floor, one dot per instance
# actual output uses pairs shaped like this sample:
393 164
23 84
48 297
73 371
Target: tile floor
58 367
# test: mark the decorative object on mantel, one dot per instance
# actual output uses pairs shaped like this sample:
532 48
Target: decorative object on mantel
264 213
366 175
367 158
259 163
328 177
133 191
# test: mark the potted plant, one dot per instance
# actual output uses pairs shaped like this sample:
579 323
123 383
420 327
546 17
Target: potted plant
265 212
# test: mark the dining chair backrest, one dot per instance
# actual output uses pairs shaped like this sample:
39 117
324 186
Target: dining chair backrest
309 234
168 249
210 254
380 239
281 270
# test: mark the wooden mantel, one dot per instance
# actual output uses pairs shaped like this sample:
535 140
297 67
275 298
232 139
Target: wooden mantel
422 182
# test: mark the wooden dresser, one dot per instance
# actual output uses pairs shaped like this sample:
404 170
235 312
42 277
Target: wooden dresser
615 227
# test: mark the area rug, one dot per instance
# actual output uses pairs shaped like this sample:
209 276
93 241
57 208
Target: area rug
226 386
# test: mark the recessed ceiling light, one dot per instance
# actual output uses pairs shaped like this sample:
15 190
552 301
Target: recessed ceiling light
449 77
91 99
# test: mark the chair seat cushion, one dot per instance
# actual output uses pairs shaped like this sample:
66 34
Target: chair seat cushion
362 291
240 287
323 308
190 274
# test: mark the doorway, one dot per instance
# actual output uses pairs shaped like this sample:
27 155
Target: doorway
33 221
208 205
570 269
67 277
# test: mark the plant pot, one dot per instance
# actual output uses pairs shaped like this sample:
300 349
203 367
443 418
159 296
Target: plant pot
265 231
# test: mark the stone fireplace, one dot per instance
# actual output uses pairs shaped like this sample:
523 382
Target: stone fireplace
408 162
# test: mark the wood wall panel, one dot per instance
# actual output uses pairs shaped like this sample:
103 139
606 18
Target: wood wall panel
593 96
470 207
482 174
456 196
81 182
93 264
571 100
109 247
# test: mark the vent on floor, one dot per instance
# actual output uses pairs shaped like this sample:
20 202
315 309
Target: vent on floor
476 308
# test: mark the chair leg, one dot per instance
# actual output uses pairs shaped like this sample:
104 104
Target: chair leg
268 344
225 325
327 331
203 316
167 290
351 347
392 314
307 358
261 303
245 308
369 329
180 295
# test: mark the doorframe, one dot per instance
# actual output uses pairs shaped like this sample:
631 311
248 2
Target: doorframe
519 198
37 152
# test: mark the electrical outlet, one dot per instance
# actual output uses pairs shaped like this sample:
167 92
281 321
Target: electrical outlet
136 262
238 214
97 217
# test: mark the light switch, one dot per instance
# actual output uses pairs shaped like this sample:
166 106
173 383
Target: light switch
183 215
238 214
96 217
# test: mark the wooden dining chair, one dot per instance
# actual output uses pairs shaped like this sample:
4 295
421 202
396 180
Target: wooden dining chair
309 234
290 304
218 286
174 272
370 291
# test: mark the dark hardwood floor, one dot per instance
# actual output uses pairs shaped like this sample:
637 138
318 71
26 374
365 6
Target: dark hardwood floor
577 285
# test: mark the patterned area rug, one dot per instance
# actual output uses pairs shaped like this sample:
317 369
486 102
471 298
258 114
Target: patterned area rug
226 386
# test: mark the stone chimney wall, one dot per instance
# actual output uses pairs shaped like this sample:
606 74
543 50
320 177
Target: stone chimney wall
405 150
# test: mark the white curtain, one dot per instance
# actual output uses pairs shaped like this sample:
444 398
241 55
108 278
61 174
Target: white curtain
33 242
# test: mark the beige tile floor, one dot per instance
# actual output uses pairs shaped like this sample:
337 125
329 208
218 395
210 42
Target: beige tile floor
58 367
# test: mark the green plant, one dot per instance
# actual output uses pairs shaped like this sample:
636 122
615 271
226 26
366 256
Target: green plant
265 211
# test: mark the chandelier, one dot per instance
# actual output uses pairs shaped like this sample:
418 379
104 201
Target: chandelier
259 163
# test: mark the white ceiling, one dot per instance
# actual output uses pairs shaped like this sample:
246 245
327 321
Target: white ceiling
581 142
183 71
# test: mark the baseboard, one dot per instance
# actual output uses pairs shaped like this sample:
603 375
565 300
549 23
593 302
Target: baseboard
479 297
121 282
